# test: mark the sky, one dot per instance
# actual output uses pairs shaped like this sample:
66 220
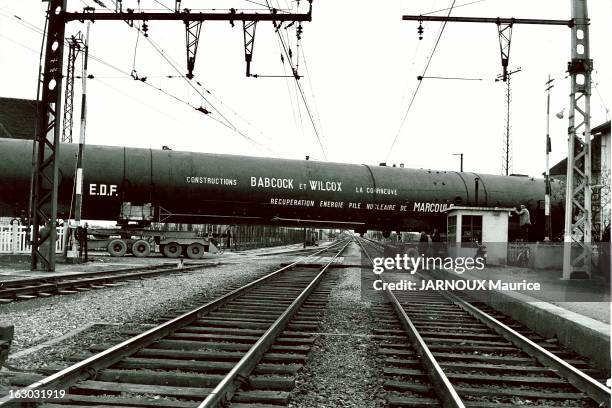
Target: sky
360 62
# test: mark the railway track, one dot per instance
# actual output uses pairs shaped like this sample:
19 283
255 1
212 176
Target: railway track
241 348
31 288
440 350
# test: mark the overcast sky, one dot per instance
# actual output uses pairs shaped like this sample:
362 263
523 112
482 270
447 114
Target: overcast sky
362 62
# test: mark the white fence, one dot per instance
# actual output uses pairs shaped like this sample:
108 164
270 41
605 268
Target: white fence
13 240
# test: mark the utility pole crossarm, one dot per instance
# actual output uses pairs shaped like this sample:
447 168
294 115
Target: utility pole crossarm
186 15
496 20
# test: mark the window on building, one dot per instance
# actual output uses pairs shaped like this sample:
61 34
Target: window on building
451 229
471 228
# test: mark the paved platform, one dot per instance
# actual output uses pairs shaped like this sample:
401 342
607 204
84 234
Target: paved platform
581 325
590 298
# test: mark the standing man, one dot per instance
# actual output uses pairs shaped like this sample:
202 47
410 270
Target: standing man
228 238
45 231
81 236
435 236
524 222
436 241
423 244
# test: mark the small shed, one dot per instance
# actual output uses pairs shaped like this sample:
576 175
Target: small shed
488 225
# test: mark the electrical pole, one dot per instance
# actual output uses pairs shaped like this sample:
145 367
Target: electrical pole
507 149
44 191
578 206
79 172
548 224
74 49
507 141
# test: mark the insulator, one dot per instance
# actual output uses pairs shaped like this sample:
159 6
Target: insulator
420 30
299 32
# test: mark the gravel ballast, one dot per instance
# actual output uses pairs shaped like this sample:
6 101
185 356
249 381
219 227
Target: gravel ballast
343 369
116 309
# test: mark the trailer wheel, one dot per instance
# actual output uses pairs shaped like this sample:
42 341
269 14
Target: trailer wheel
117 247
172 250
141 248
195 250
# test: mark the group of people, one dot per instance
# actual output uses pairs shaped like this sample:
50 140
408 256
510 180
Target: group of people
430 242
228 239
79 238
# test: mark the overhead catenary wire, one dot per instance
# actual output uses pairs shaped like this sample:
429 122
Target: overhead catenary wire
312 94
416 91
225 122
125 74
310 116
287 53
290 93
99 79
416 50
601 99
453 7
174 65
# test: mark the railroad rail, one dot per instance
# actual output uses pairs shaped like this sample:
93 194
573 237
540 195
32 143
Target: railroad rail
437 344
243 347
30 288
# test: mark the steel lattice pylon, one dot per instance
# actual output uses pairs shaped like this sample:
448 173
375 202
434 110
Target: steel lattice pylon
507 143
504 32
192 38
248 29
75 47
44 188
578 210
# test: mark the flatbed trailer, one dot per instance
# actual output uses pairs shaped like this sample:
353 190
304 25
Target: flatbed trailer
141 242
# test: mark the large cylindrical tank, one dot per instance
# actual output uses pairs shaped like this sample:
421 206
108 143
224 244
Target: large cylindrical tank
200 188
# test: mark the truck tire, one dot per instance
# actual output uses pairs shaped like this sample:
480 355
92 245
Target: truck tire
141 248
195 250
172 250
117 247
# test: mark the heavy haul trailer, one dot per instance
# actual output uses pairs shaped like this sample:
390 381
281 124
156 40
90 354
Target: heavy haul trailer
133 237
141 242
185 187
